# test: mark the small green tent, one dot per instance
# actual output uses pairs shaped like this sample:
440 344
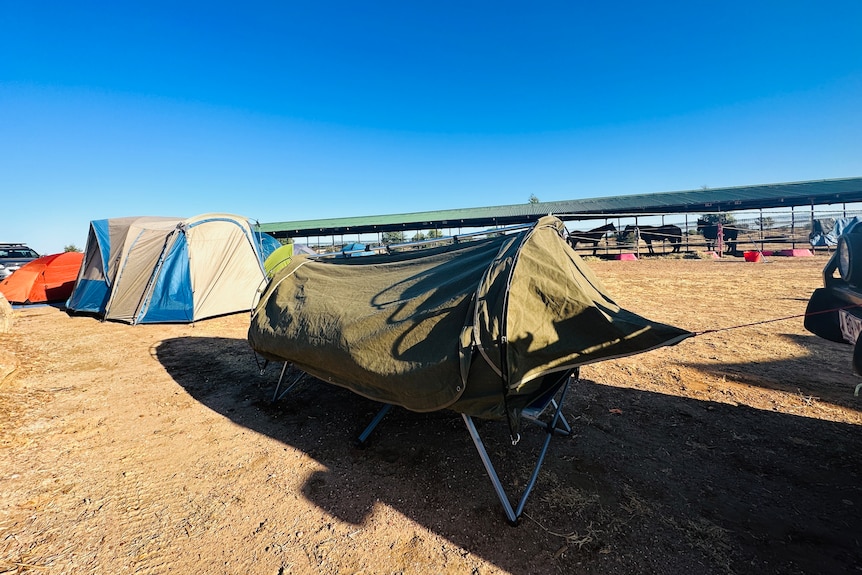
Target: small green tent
278 259
473 327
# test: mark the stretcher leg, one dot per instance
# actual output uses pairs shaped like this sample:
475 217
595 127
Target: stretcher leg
363 437
552 428
276 396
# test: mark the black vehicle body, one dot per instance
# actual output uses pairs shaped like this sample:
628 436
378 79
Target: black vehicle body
835 310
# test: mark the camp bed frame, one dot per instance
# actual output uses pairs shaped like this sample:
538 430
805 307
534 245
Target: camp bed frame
549 405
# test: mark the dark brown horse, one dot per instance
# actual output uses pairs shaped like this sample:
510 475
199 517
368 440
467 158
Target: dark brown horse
593 236
666 233
710 234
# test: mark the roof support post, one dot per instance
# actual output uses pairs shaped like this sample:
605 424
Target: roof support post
792 228
663 243
686 232
761 229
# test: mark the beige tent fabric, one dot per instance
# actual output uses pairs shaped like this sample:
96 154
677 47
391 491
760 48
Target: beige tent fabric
222 273
143 245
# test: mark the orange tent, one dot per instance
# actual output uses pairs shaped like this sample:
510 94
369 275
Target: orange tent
47 279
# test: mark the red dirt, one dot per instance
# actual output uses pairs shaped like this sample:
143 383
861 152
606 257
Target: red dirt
157 449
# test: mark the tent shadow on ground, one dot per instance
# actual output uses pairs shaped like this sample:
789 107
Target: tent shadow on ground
825 371
738 489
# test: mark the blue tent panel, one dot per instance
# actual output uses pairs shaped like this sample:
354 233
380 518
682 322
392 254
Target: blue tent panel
101 230
266 244
90 296
172 299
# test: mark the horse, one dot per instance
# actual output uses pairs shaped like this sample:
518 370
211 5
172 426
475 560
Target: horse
593 236
710 234
669 233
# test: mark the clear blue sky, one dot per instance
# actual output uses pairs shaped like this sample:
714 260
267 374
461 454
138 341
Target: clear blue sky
302 110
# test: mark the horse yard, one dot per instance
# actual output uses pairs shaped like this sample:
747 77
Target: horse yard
158 449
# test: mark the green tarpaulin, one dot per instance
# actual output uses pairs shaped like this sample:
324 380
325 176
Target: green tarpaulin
473 327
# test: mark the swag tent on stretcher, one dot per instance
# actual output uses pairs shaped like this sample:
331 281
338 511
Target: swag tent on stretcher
491 328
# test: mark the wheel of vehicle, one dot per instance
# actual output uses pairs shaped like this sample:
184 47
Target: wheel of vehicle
850 258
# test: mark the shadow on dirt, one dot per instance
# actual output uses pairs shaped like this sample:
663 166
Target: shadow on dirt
832 381
648 483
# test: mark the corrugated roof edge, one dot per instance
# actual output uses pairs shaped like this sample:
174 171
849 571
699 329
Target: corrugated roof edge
791 194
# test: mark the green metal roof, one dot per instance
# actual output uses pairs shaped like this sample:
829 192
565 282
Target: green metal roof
817 192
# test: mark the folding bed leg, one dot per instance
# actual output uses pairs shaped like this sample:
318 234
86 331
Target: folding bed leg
363 437
276 396
566 429
535 475
551 429
489 468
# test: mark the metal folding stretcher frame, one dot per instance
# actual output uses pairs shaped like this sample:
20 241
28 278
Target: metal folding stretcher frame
545 411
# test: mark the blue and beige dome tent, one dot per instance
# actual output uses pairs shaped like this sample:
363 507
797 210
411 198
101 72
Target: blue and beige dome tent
170 270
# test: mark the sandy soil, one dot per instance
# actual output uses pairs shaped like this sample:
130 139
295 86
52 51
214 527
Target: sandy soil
158 449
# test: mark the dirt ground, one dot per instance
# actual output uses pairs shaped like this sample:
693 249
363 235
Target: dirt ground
158 449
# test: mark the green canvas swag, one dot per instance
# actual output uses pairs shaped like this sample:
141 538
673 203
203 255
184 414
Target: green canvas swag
474 327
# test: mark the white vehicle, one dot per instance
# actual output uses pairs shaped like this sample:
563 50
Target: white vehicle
13 256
